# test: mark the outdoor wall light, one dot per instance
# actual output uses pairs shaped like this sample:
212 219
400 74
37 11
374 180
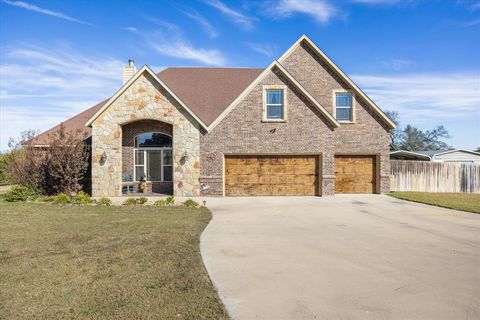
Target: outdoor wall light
103 157
185 156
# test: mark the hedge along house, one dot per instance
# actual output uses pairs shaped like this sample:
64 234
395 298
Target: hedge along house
298 127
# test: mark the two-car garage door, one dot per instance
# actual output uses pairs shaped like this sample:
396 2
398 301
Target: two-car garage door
267 175
296 175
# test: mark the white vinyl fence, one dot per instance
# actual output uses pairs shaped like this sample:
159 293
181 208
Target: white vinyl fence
428 176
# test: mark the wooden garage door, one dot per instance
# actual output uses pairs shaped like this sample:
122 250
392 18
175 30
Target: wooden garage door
355 174
262 175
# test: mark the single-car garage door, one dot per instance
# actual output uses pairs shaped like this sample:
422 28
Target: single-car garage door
268 175
354 174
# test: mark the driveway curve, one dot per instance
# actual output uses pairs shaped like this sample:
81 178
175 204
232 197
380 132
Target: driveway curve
343 257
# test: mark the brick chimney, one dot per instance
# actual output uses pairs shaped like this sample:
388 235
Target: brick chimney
129 70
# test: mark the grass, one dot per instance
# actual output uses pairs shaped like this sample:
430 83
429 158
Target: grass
87 262
460 201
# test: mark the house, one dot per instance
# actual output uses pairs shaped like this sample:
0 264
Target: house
454 155
298 127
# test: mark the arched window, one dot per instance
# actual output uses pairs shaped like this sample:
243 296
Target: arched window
153 157
153 140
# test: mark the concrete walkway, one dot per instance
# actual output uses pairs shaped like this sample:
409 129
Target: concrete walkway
343 257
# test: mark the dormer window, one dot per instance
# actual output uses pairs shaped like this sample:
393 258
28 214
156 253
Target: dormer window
274 103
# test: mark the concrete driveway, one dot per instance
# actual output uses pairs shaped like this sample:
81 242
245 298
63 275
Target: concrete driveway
343 257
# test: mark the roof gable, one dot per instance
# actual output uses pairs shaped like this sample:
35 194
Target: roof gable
341 74
276 64
144 69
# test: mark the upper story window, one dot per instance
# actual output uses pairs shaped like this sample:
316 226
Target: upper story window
274 104
343 106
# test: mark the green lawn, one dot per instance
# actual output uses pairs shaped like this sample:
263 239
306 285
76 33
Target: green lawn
87 262
461 201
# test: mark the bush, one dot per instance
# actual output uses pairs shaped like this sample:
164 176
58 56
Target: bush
82 198
19 193
62 198
168 201
130 202
191 203
104 202
60 168
161 203
142 200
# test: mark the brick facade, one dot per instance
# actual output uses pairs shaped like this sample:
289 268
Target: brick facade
367 135
242 131
304 132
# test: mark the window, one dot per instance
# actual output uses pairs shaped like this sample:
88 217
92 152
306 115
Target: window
153 139
153 157
343 106
274 104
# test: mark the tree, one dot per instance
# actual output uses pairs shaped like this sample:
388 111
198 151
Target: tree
395 134
25 137
60 167
414 139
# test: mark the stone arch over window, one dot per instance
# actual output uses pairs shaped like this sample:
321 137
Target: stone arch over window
147 154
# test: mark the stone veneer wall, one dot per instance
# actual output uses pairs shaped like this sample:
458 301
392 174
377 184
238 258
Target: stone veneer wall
144 100
242 131
368 135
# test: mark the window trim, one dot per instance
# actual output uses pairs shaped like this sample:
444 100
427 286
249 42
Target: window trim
145 165
285 104
353 107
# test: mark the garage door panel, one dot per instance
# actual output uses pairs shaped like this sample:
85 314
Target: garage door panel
355 174
271 175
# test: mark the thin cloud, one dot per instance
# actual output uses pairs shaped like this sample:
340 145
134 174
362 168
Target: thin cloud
201 20
469 24
265 49
376 2
397 64
131 29
321 10
170 41
425 97
238 17
184 50
34 8
43 86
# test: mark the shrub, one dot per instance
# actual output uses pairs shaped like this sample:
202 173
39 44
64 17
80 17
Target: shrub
61 167
5 159
104 202
191 203
142 200
82 198
62 198
19 193
130 202
170 200
46 198
161 203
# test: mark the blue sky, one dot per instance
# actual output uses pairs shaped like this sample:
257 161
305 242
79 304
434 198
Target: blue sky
419 58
